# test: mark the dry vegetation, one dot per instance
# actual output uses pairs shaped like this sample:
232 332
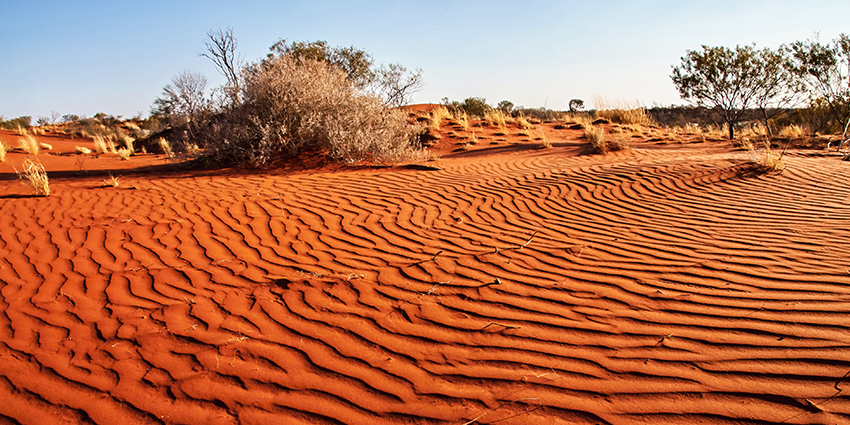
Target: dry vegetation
28 144
623 112
34 176
3 150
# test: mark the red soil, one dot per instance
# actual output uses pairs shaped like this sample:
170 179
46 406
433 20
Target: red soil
660 284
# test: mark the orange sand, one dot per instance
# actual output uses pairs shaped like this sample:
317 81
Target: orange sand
515 285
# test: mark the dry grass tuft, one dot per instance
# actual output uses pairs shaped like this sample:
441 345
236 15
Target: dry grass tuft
437 116
45 146
522 123
82 150
28 144
792 131
620 141
100 144
544 142
3 150
596 137
35 176
623 112
166 147
766 159
111 181
463 120
125 153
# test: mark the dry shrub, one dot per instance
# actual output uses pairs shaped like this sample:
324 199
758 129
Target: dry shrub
498 118
127 141
596 138
462 120
28 144
620 141
34 176
623 112
756 130
291 106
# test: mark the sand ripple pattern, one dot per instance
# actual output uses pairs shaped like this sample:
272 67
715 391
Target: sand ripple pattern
647 286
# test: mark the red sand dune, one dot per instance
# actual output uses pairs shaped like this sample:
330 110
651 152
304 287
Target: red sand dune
515 285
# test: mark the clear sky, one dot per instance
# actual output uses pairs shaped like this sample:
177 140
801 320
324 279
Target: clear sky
84 57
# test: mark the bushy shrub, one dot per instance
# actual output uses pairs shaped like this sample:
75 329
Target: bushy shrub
291 106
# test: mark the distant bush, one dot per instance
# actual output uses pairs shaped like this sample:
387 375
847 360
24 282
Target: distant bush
291 106
15 123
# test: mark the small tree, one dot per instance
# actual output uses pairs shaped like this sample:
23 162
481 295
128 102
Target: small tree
576 105
221 49
776 87
505 106
824 70
721 78
184 98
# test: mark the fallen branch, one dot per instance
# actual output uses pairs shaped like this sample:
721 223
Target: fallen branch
538 407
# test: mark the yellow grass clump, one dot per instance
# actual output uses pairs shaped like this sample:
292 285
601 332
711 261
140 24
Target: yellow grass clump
28 144
792 131
463 120
522 123
82 150
45 146
166 147
3 150
766 159
623 112
111 181
34 176
437 116
544 142
125 153
596 137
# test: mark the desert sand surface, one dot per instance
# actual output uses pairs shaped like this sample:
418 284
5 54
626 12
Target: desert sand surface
665 283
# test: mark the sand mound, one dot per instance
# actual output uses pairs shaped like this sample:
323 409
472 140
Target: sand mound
527 288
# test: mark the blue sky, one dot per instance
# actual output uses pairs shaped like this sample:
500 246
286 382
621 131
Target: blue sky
86 57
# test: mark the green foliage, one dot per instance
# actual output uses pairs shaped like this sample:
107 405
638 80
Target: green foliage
15 123
473 106
824 71
505 106
721 78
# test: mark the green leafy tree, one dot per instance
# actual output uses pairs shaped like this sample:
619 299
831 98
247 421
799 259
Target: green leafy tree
824 71
720 78
776 88
505 106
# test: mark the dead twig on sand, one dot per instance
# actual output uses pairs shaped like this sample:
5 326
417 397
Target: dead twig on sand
434 258
502 325
527 411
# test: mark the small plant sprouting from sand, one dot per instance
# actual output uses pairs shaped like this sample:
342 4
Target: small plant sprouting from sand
596 138
111 181
166 147
28 144
34 176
